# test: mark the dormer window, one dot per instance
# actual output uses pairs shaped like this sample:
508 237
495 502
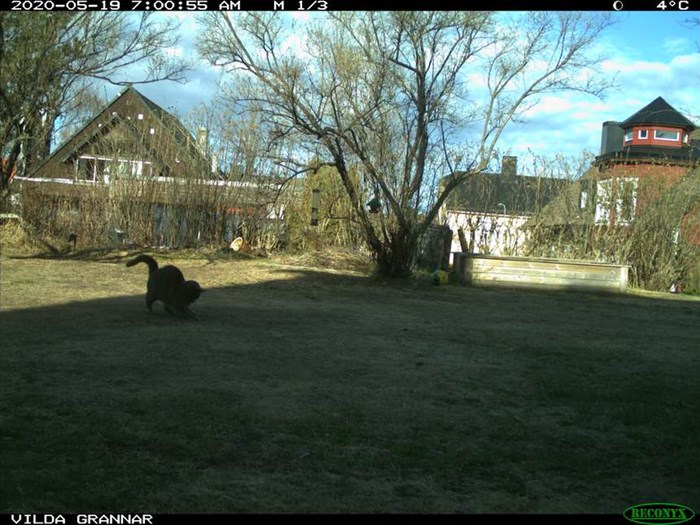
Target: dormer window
673 136
643 133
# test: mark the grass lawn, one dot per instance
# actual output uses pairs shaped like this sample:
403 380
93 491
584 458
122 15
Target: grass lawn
305 390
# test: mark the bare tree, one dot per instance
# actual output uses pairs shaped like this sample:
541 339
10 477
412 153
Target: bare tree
49 61
389 92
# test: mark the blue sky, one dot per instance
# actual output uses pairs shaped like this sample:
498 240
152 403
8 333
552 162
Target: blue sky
651 53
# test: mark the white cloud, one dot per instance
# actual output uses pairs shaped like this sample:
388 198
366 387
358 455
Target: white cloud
639 67
677 45
640 82
690 62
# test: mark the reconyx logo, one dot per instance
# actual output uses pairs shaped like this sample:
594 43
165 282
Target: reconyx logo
659 514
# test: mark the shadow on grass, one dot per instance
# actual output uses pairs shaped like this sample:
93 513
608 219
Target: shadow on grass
308 391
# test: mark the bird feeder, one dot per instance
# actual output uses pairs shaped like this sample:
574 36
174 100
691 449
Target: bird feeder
315 199
374 205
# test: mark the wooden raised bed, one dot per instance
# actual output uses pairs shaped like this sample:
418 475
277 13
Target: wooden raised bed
529 272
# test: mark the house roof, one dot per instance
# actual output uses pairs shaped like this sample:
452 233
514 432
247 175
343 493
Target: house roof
494 193
658 113
182 135
172 135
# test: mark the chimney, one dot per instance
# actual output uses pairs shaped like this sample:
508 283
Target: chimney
214 163
509 167
611 138
203 140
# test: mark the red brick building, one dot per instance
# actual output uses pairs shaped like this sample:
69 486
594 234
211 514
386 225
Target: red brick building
649 151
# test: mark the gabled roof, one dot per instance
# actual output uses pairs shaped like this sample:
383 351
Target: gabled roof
658 113
129 108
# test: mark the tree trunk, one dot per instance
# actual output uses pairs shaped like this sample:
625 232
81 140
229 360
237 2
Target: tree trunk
396 257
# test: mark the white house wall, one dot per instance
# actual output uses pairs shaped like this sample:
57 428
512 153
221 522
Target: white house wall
494 234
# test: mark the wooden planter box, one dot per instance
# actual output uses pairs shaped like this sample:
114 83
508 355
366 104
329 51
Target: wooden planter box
530 272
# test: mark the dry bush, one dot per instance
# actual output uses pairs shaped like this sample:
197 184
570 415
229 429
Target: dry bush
157 212
13 237
337 226
659 243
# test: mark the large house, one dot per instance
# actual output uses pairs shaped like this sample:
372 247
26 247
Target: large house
640 197
142 165
488 212
650 150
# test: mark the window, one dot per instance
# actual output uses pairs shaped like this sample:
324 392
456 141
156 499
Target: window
86 168
134 169
643 133
622 197
629 135
685 138
603 203
584 200
666 135
626 202
96 168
